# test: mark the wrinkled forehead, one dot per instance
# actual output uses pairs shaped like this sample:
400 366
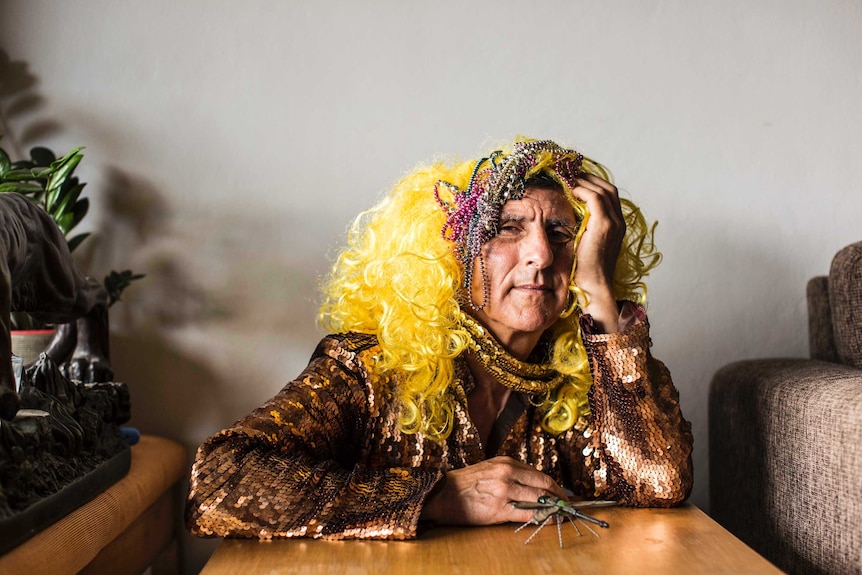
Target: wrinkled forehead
549 204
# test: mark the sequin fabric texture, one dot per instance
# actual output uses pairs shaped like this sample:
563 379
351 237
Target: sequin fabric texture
324 457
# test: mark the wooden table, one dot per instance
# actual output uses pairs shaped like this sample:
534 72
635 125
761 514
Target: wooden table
683 540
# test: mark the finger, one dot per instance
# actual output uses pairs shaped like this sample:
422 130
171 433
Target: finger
605 213
528 493
516 476
514 515
601 204
607 193
598 182
530 478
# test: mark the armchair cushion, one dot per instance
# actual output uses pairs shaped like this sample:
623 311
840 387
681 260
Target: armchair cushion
786 461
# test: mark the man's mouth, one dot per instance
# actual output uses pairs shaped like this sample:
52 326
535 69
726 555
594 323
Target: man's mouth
534 287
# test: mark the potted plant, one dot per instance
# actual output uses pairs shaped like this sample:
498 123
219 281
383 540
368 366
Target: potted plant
50 183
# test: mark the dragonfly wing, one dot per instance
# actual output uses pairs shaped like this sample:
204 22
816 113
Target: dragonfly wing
592 503
529 505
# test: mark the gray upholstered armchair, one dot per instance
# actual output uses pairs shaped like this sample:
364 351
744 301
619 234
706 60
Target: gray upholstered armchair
785 438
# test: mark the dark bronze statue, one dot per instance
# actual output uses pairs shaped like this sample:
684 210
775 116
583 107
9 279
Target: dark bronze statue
64 446
38 276
61 435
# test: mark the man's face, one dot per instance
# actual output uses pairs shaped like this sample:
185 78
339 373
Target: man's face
526 267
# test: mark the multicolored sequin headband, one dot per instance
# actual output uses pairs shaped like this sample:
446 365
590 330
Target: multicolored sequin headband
474 213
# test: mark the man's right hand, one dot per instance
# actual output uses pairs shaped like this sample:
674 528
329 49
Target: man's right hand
482 494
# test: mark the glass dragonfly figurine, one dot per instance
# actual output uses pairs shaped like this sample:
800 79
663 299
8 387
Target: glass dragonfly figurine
549 507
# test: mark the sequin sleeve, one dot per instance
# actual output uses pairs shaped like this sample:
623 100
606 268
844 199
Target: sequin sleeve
639 445
295 466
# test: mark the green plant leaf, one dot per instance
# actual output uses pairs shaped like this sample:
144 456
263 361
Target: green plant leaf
5 162
63 222
68 157
63 168
41 173
78 211
116 282
66 198
75 241
69 218
19 175
24 188
41 156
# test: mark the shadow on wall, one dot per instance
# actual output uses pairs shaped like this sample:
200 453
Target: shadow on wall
224 318
134 223
132 213
19 103
173 394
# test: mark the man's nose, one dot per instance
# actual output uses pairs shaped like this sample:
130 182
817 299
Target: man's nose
537 250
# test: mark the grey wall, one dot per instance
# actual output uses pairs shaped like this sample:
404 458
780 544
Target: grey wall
229 144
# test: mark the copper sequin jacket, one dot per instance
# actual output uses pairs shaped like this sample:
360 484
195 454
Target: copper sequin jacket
324 457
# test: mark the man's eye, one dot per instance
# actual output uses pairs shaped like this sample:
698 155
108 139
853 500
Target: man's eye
560 236
508 229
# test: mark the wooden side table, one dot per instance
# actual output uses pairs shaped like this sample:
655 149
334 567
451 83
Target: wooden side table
125 529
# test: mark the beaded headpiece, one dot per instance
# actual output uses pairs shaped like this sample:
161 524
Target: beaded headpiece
474 213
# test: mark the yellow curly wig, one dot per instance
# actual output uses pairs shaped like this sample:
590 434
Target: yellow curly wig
399 279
